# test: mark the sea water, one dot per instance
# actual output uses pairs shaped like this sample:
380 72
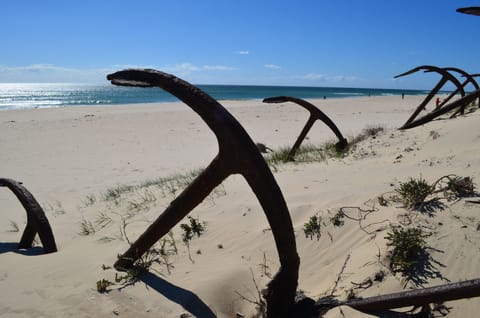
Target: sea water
48 95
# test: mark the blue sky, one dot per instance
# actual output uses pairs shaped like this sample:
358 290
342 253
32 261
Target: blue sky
356 43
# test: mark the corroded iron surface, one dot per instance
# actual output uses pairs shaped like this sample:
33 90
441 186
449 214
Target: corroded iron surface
470 10
315 114
446 76
237 155
468 99
37 221
469 79
419 297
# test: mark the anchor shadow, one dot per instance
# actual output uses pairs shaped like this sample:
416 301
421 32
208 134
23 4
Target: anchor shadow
183 297
6 247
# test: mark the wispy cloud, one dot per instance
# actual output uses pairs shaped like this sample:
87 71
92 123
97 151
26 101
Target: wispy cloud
345 78
272 66
327 78
182 69
43 73
311 77
245 52
219 68
125 66
188 68
51 73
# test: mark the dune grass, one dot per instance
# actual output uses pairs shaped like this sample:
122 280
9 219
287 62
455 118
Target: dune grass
310 153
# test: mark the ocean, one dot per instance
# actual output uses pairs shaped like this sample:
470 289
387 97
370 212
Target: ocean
48 95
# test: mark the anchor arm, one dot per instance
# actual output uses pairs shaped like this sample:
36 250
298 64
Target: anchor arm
37 221
237 154
315 114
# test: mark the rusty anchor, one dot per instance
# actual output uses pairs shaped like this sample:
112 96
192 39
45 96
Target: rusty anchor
418 297
469 10
237 155
462 102
470 78
37 221
446 76
315 114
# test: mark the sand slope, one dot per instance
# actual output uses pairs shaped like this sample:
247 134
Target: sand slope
70 158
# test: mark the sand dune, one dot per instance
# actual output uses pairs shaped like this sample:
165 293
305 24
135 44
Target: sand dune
72 159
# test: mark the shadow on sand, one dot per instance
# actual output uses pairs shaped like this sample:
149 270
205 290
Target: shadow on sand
185 298
13 247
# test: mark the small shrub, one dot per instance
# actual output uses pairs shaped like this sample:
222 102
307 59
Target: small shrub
103 220
334 150
382 201
434 134
373 131
102 286
90 200
143 264
379 276
278 156
304 154
369 132
460 187
86 228
351 294
338 219
140 267
189 230
312 227
414 193
408 247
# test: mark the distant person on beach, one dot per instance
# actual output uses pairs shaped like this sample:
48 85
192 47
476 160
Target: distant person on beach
437 102
403 95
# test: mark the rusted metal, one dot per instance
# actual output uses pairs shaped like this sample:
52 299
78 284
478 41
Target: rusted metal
470 10
469 80
418 297
446 76
315 114
466 100
237 155
37 221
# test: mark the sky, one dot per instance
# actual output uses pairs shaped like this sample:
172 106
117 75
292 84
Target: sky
355 43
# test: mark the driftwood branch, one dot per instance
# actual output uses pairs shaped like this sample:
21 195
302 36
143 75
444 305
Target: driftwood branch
237 155
37 221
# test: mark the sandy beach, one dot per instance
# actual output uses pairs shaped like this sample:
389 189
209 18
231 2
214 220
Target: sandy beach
71 159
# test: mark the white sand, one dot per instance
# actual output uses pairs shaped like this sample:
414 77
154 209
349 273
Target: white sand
66 157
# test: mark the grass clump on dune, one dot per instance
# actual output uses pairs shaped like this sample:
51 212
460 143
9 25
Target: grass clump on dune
414 192
409 247
313 227
318 153
307 153
169 186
